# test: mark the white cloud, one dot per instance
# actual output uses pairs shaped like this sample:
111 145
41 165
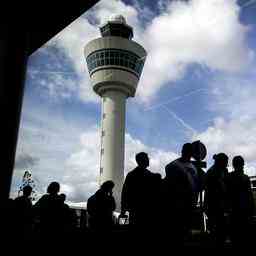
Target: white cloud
205 32
85 162
233 131
58 86
71 158
198 31
74 38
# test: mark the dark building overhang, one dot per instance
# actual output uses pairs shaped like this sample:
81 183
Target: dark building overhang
42 20
25 26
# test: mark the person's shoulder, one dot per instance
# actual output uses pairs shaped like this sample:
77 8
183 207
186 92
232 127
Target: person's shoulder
17 199
132 173
92 196
43 198
153 174
210 171
172 163
156 175
246 178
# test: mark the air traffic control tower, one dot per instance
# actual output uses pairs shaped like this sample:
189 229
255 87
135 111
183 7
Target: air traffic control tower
115 63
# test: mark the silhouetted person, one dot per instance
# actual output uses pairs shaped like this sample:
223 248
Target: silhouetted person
49 209
24 214
7 220
241 203
180 195
101 206
215 201
67 215
140 193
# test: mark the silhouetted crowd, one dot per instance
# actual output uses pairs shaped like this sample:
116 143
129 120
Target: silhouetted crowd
153 205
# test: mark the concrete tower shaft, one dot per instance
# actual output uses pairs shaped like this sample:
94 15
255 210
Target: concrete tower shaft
113 139
115 63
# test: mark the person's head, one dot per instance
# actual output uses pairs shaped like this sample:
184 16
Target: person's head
107 186
27 190
53 188
142 159
187 151
238 163
62 197
221 160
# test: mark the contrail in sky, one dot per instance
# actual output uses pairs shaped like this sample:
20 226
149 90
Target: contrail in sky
175 99
181 121
51 72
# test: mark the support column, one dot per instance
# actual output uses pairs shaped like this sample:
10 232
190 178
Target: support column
113 139
13 59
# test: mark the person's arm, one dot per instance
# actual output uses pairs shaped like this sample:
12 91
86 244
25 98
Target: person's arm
251 199
124 196
113 202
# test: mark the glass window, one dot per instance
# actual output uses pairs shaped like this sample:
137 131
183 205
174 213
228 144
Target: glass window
116 62
114 57
131 65
133 59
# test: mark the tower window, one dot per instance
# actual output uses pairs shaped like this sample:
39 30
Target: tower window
102 151
116 57
103 133
104 115
101 170
116 62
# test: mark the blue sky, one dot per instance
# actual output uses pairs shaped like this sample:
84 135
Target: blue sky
197 83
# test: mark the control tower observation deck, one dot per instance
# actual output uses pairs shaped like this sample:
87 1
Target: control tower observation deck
115 63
